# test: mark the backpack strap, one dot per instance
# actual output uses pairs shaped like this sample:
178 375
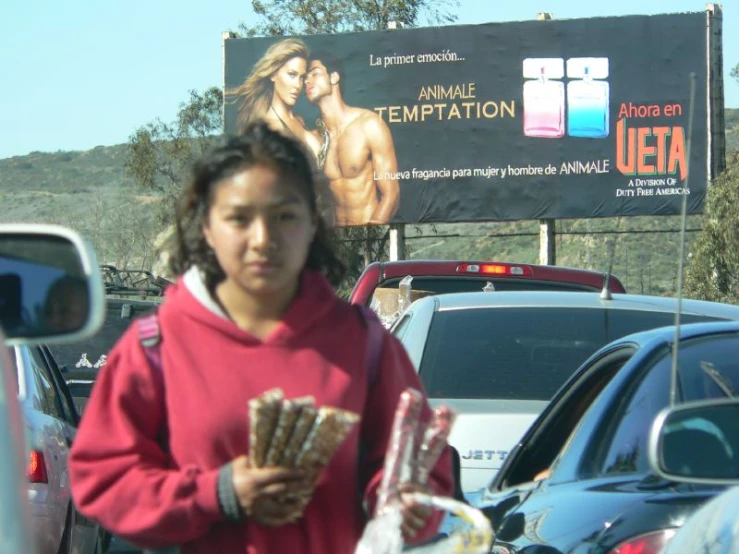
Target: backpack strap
150 337
375 332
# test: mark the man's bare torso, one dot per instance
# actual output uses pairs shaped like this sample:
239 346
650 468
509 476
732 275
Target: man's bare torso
348 167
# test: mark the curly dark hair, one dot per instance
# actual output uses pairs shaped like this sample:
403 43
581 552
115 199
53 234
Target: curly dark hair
257 145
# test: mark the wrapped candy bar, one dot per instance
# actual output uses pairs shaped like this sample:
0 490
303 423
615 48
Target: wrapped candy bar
329 431
289 414
400 448
383 535
302 427
264 413
434 442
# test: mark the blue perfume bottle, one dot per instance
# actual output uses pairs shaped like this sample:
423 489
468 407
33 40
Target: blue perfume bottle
588 99
544 98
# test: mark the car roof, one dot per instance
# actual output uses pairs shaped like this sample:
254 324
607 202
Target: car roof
566 299
687 331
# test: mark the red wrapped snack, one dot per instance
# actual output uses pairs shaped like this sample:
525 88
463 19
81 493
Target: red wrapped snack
434 442
400 449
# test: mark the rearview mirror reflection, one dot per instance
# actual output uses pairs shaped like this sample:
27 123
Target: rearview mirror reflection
697 442
49 284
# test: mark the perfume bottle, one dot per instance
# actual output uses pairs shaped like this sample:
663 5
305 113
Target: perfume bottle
543 107
587 107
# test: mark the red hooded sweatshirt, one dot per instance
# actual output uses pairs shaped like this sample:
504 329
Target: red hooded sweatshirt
158 497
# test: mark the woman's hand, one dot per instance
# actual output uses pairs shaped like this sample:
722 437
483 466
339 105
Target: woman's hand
271 495
415 516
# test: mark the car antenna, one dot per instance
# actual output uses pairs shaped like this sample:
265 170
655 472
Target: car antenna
683 219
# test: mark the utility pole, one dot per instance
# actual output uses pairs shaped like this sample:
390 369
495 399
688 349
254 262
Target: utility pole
547 227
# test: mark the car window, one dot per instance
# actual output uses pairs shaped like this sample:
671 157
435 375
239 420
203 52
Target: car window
445 285
521 353
48 389
65 397
708 368
628 446
552 433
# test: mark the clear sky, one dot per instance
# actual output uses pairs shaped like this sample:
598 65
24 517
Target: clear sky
76 74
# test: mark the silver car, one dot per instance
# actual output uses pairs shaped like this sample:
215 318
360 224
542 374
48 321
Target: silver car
51 419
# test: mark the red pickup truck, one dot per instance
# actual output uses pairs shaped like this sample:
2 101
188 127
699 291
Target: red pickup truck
441 276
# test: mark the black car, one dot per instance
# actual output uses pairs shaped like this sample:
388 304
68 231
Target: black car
579 480
128 294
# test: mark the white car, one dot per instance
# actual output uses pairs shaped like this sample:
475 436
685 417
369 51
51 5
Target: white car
498 357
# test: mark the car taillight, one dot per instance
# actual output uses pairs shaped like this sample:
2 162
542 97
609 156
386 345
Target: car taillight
495 269
36 471
645 544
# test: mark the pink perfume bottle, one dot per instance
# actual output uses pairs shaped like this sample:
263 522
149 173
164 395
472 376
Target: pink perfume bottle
544 103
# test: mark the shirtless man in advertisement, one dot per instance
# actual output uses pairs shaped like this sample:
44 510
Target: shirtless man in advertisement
360 161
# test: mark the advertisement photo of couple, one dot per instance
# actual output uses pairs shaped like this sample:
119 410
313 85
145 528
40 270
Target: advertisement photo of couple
353 146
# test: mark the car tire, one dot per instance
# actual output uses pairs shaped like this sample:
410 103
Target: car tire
65 545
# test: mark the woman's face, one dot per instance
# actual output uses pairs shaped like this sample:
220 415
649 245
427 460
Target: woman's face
289 80
260 227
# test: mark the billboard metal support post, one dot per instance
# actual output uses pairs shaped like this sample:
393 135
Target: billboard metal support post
547 227
397 230
397 242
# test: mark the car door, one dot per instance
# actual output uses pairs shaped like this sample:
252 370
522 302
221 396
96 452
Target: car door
569 508
601 491
85 530
58 429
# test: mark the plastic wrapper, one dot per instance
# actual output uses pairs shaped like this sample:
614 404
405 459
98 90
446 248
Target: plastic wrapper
289 414
264 413
404 294
302 427
397 466
383 535
329 431
414 449
434 442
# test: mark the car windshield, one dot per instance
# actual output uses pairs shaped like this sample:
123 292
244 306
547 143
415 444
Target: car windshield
91 354
522 353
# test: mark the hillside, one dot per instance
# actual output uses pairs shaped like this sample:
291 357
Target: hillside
90 191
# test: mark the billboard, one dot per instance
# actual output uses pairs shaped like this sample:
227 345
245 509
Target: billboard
573 118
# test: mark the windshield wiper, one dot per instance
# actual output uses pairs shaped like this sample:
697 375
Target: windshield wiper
722 382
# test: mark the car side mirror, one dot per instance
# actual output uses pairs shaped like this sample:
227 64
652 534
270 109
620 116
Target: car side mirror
51 289
697 442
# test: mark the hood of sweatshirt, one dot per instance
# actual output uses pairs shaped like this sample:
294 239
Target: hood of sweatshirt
190 298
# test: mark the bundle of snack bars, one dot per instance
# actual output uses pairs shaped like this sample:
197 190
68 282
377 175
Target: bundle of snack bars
295 433
413 451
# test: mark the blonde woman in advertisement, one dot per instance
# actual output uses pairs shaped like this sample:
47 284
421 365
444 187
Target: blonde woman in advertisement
272 89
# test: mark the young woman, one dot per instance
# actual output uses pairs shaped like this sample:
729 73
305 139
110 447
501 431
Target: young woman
163 460
271 91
